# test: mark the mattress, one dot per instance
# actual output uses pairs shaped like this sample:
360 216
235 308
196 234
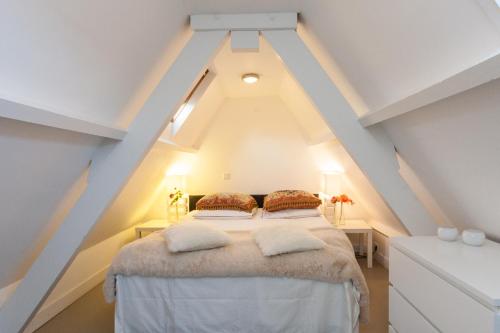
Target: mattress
246 304
258 304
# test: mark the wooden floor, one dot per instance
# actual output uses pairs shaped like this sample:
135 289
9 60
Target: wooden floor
91 314
378 283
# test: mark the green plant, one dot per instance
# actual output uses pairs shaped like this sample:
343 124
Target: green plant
175 196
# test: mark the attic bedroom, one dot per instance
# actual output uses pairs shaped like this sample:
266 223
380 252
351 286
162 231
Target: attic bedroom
236 166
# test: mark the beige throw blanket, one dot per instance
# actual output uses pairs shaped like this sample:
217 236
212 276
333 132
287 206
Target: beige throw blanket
150 257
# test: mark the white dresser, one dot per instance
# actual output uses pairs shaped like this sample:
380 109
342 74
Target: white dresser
438 286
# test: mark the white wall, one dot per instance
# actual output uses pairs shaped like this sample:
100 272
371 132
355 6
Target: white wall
259 143
453 146
42 173
142 191
39 167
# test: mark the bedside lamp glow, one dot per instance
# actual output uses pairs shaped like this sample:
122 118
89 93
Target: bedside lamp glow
332 183
178 169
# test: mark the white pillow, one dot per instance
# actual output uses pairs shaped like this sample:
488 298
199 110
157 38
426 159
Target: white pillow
230 214
273 240
291 213
194 236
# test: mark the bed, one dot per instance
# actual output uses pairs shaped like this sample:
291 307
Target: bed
236 304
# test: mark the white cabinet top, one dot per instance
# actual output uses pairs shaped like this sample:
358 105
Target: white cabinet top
354 226
475 270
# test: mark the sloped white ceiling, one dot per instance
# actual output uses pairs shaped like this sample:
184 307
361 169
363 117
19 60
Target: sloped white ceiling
299 105
86 59
100 60
230 66
391 49
194 128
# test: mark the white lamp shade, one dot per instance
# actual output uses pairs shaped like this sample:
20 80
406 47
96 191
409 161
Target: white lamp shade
332 184
176 181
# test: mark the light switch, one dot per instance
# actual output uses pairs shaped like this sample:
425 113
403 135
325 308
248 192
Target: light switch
227 176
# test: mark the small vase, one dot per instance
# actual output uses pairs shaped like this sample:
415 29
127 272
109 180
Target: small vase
339 215
173 213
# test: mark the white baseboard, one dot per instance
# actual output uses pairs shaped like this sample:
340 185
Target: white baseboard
48 311
381 259
87 271
377 256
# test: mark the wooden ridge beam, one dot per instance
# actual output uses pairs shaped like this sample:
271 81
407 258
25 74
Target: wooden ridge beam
371 149
109 178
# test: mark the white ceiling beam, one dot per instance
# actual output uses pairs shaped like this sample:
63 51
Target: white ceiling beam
474 76
33 115
38 116
177 146
245 41
265 21
109 178
371 149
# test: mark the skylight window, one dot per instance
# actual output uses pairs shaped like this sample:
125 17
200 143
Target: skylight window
180 110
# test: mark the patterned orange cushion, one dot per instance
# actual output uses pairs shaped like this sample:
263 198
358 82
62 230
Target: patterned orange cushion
230 201
289 199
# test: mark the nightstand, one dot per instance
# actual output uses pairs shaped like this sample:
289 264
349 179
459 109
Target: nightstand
361 227
150 226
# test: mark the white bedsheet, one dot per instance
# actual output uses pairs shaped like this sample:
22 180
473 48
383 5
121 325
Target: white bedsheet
257 220
218 305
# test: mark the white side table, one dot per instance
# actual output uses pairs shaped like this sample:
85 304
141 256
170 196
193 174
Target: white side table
361 227
150 226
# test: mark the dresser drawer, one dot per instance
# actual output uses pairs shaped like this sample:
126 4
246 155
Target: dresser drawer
404 318
445 306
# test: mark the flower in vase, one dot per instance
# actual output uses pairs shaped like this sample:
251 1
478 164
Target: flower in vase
175 196
345 199
342 199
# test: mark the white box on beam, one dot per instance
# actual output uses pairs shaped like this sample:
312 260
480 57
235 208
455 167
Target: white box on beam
245 41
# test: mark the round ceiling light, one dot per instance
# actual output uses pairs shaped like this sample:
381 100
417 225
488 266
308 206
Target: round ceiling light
250 78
